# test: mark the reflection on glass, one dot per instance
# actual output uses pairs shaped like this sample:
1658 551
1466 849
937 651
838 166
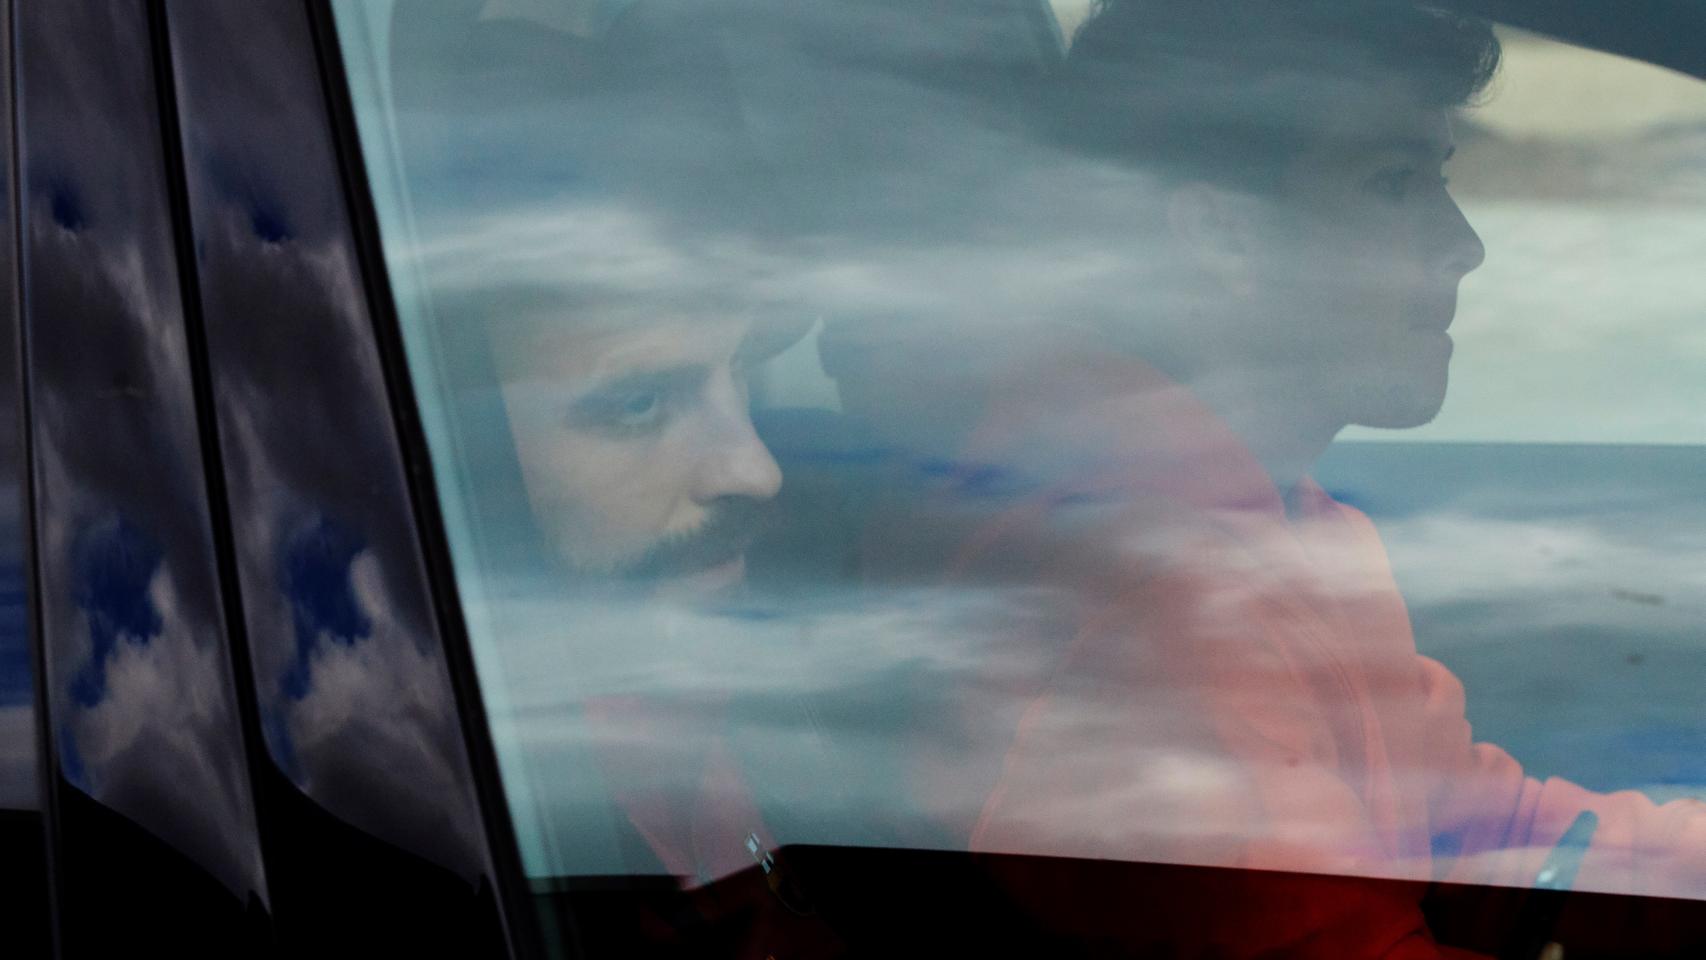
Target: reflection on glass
355 705
18 787
153 802
887 425
1582 173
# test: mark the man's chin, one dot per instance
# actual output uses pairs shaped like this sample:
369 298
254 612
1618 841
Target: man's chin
704 584
1400 399
1400 413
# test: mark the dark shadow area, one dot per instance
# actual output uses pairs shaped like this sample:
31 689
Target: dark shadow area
341 892
904 903
23 882
121 886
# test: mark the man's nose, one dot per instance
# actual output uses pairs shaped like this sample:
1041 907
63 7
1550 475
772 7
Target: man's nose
1462 245
735 462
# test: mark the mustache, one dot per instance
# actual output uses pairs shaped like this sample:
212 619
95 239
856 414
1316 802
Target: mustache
732 527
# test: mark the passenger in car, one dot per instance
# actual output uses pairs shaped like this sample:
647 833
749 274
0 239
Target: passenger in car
636 444
600 345
645 484
644 476
1241 687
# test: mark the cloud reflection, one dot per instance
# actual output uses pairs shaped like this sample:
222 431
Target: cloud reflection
862 185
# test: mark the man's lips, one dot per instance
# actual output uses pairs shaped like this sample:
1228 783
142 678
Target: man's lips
731 529
710 581
1434 316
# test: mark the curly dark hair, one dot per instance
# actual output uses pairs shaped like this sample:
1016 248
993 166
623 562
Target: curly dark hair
1229 90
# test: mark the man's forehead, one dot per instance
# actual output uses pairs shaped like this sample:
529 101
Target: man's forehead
603 351
1385 119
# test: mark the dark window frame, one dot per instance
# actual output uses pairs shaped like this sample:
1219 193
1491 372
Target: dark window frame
514 897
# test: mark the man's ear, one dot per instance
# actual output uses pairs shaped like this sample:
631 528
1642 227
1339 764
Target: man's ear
1220 231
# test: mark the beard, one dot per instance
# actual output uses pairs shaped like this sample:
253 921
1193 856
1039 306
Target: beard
730 529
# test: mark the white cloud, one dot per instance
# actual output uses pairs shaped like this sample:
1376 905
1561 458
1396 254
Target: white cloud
162 746
1551 89
377 736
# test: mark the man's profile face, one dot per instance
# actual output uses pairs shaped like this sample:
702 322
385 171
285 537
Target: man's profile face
637 448
1365 270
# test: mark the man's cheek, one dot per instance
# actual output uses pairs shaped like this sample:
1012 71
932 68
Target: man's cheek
599 477
604 512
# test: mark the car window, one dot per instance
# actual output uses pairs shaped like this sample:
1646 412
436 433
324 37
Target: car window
1248 437
155 837
1578 171
1549 507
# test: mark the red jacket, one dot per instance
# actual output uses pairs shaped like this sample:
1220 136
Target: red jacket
1241 687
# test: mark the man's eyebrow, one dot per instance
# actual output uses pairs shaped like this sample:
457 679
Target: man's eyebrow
1418 146
684 375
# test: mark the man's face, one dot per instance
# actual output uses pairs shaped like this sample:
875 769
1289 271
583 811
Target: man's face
637 447
1370 248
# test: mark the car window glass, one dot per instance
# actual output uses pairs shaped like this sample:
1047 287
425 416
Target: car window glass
1550 504
1237 436
1579 170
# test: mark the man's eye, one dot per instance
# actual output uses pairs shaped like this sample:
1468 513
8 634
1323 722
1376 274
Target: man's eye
638 407
621 411
1392 184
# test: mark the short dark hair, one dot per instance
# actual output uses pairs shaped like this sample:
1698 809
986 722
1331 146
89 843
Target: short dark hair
1231 90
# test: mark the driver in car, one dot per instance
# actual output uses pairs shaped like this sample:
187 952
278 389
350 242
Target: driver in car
1240 687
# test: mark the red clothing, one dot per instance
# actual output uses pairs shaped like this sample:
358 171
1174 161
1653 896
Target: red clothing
679 785
1242 688
693 809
